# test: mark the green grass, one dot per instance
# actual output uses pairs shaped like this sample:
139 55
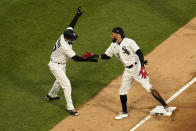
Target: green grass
29 29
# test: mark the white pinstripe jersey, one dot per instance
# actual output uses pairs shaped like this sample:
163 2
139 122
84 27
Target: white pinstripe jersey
125 52
62 51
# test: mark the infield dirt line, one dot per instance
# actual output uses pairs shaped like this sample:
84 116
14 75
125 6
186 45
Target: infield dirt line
167 101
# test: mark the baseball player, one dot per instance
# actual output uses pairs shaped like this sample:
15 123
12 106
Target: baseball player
129 53
61 53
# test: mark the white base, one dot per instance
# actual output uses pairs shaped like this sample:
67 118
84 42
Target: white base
159 110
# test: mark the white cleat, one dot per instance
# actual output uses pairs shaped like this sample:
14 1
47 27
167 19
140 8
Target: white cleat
168 111
160 110
121 116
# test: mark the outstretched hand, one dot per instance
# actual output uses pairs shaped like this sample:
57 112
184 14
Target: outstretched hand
89 55
143 72
79 12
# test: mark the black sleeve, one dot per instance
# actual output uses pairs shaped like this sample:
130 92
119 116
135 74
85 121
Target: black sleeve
79 59
141 57
105 57
74 21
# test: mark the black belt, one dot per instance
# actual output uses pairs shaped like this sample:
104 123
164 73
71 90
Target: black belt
57 62
131 66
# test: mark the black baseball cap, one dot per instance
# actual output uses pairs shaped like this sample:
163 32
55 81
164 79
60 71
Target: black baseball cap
70 35
119 30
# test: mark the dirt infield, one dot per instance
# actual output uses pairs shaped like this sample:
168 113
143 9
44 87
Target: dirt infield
172 65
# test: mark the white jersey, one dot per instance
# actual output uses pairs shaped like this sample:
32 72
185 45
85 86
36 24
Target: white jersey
125 52
62 51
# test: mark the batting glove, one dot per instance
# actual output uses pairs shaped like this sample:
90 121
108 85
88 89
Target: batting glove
143 72
90 54
85 56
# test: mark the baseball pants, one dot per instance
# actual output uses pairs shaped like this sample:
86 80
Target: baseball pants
133 74
59 71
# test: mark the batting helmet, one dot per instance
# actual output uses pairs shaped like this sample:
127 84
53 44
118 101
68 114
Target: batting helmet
119 30
70 35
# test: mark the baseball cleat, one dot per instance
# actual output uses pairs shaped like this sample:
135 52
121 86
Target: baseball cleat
167 109
168 113
73 112
161 110
49 98
121 115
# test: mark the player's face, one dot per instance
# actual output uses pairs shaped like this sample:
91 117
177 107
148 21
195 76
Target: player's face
114 35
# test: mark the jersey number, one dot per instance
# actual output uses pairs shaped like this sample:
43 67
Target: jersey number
57 45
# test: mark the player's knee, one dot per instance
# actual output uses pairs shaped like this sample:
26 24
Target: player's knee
65 85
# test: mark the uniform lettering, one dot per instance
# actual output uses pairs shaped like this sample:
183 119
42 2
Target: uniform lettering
125 51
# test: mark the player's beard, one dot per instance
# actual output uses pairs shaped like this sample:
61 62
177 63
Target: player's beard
70 42
114 40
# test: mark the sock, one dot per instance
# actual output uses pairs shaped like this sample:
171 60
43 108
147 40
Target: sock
123 99
158 97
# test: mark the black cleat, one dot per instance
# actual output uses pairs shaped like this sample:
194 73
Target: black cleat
73 112
49 98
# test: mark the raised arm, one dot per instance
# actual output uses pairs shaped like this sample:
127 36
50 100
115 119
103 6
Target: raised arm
75 18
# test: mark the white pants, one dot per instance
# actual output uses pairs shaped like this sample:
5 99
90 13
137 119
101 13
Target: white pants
130 75
59 71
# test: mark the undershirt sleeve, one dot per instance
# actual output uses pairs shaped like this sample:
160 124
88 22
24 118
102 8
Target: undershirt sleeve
79 59
105 57
141 57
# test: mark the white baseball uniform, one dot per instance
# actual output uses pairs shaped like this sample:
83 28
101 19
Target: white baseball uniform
125 52
62 52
